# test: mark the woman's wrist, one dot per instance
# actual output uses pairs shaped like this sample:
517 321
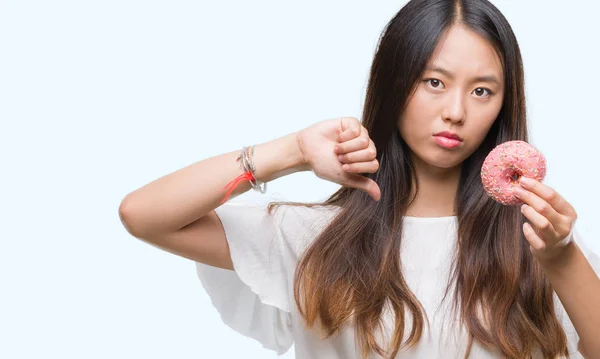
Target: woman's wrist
279 157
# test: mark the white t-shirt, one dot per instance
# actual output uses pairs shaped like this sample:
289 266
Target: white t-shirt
257 298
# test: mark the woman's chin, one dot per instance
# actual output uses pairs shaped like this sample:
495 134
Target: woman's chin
445 162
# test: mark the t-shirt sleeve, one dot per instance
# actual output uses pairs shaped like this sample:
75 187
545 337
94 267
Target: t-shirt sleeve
572 336
253 300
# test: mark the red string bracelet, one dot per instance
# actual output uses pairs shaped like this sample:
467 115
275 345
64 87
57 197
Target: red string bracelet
247 163
233 184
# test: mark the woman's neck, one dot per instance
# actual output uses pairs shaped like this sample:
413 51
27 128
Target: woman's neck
437 192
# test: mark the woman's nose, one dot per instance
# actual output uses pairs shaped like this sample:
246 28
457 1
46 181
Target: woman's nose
454 108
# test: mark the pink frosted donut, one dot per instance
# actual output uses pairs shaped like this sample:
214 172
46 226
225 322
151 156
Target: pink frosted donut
505 164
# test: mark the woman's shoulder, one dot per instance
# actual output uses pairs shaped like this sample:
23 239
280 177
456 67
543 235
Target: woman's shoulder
298 225
294 225
289 219
294 219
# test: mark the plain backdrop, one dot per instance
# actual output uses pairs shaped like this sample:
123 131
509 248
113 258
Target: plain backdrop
98 98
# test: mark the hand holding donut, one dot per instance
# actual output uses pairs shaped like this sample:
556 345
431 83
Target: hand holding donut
511 175
339 150
551 215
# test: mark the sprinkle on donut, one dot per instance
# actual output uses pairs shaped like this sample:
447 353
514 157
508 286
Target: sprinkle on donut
505 164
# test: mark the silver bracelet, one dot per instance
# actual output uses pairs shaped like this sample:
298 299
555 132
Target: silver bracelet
247 158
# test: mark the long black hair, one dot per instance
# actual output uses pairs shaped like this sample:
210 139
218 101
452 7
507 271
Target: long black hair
352 269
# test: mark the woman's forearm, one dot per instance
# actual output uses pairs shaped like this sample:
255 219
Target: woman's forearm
578 287
173 201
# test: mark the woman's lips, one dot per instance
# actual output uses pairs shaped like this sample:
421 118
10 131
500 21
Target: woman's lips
447 142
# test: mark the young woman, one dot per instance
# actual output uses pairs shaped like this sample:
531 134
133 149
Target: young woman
410 258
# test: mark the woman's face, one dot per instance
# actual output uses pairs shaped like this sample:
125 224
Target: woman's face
461 92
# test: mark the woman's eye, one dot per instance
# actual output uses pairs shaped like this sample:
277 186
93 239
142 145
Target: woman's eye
435 83
479 92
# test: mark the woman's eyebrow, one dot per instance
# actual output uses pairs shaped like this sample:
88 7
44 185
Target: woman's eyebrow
486 78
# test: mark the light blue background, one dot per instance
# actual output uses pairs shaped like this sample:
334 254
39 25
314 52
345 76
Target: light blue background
98 98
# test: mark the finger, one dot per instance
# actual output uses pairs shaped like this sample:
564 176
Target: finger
355 144
536 243
541 223
361 167
541 206
366 155
364 184
351 128
548 194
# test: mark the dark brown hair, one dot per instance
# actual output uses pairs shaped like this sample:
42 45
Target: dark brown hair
352 269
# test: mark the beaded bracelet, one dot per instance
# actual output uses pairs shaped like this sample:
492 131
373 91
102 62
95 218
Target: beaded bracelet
246 157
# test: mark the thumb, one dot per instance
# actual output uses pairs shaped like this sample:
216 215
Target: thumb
364 184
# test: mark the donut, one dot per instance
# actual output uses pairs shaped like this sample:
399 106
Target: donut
505 164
